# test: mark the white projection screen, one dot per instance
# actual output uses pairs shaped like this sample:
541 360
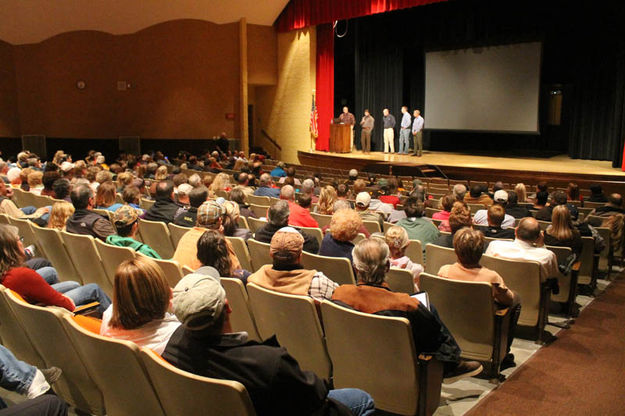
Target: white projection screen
491 88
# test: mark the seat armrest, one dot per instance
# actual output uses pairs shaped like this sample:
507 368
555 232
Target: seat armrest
502 312
86 308
576 266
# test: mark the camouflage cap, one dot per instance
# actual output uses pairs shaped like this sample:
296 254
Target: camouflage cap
125 215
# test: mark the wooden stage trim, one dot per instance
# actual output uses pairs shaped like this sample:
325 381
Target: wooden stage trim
558 170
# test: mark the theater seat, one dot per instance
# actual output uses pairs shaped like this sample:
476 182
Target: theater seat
338 269
84 254
241 251
241 318
55 250
156 235
437 256
400 280
112 256
259 253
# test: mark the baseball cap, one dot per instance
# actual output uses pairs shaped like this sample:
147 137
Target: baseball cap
67 166
363 199
501 196
198 300
353 173
125 215
286 239
209 213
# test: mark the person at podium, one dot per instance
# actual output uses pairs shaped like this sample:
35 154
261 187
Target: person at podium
348 118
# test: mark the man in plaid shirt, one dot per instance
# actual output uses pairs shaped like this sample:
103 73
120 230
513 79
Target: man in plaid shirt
287 275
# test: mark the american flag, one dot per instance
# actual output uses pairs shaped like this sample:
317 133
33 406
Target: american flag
314 117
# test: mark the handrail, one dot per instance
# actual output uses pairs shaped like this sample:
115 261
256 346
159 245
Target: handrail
271 140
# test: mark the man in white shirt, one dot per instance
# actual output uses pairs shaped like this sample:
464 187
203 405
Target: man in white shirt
528 245
417 133
481 216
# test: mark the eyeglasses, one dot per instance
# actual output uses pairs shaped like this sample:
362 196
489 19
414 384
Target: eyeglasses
21 239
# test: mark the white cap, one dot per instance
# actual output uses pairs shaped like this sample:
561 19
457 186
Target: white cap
501 196
363 199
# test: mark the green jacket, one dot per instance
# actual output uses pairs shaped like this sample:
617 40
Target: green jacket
116 240
420 229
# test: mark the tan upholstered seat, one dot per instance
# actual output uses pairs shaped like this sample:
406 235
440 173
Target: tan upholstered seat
255 223
55 251
377 354
587 272
240 249
262 201
112 256
171 269
259 253
321 219
294 320
84 254
183 393
437 256
146 204
338 269
372 226
567 283
259 210
156 235
25 228
241 318
176 232
400 280
313 232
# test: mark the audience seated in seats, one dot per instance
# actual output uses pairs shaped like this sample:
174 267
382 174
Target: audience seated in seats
188 217
459 191
476 196
165 208
521 193
31 285
299 217
344 227
290 173
343 193
561 232
277 218
572 193
377 205
390 193
182 196
514 209
131 195
540 201
372 295
265 187
48 180
220 183
459 217
397 240
141 298
308 188
59 214
596 194
209 217
229 221
24 186
528 245
213 255
84 220
447 202
278 171
558 198
25 379
126 220
327 198
469 245
205 345
612 207
418 228
8 207
500 198
159 175
286 274
105 195
363 200
304 201
243 182
495 217
237 196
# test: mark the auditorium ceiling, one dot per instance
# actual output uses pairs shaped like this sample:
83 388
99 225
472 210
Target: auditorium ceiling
31 21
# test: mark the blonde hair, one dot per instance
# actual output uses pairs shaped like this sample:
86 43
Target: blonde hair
561 226
520 192
124 179
397 239
34 178
221 181
140 293
345 224
59 214
327 198
161 173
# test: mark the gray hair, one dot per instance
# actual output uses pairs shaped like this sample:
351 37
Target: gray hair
265 179
341 204
459 190
371 260
307 186
195 180
278 213
287 192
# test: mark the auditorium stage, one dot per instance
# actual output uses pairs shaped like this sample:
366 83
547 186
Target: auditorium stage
557 169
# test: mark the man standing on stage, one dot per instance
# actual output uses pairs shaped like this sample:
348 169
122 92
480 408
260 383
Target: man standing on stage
389 132
417 133
348 118
366 123
404 132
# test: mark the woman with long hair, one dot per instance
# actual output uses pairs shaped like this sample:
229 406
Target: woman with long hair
521 192
141 298
31 285
220 183
105 195
561 232
59 214
327 198
212 251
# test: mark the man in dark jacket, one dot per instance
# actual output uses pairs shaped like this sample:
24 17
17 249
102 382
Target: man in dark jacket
165 208
205 345
513 208
84 220
188 217
278 217
558 198
495 216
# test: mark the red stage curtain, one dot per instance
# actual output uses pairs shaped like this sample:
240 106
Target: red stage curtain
325 84
299 14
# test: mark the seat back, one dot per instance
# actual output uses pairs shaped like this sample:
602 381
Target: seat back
171 269
476 207
182 393
313 232
146 204
84 254
431 211
564 281
41 201
467 308
54 250
400 280
20 197
262 201
437 256
358 344
259 210
116 368
156 235
338 269
259 253
321 219
414 251
242 222
372 226
586 271
241 318
112 256
176 232
241 251
13 334
56 348
25 231
523 277
4 219
294 320
255 223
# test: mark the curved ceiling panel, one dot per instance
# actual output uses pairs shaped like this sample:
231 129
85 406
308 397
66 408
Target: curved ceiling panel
31 21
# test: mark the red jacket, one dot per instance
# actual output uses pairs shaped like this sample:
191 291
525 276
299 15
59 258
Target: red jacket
34 289
300 217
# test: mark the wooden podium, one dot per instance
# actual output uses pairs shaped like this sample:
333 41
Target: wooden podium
340 138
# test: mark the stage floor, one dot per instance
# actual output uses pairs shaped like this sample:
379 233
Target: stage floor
557 164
